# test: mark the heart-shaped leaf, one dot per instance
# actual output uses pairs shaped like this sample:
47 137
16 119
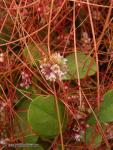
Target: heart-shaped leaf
43 118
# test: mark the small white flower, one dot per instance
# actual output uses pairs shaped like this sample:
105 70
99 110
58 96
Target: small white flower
77 137
21 84
55 68
52 77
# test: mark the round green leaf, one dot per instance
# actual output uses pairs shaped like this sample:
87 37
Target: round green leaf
42 116
86 64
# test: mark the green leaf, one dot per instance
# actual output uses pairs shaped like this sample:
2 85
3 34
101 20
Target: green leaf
92 137
42 116
106 110
29 136
32 54
91 120
86 64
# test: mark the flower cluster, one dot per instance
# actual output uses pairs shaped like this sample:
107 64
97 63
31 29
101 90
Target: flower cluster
86 41
85 38
26 80
79 135
54 68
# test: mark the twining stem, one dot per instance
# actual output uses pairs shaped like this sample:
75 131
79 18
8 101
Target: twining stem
75 52
58 116
49 27
96 55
